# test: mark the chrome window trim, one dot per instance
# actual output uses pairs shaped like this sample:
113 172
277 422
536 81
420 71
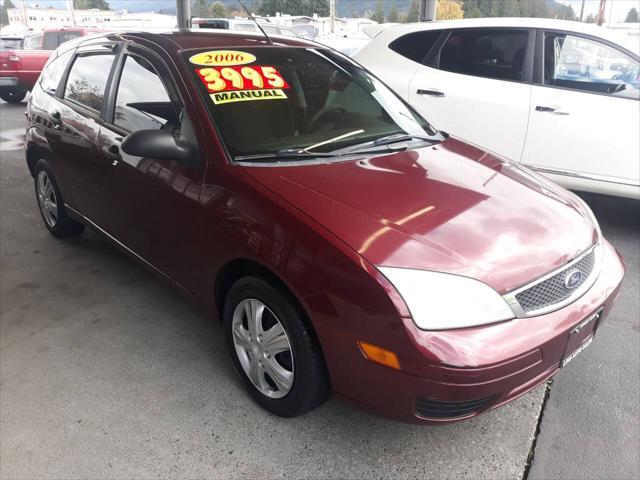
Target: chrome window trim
510 297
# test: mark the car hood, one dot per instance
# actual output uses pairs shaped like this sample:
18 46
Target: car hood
448 208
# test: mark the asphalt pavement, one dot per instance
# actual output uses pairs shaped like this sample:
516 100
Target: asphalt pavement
106 372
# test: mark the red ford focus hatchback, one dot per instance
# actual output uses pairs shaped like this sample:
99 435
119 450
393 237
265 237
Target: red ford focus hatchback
346 245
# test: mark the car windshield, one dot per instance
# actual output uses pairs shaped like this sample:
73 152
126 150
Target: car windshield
272 99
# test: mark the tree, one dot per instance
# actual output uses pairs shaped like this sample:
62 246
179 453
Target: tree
449 10
511 8
200 8
321 7
294 7
632 16
217 10
411 15
590 18
471 9
393 13
89 4
4 14
518 8
378 15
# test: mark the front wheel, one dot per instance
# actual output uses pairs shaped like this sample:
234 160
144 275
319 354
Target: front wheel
13 96
273 349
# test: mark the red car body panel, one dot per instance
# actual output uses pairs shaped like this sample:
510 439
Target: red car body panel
26 69
416 210
322 229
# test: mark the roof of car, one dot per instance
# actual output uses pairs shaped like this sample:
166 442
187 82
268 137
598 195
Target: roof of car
72 29
613 35
205 38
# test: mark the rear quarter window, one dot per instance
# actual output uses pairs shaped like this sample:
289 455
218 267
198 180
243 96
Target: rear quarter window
415 46
52 72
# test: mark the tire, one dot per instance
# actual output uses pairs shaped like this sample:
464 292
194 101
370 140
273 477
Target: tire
13 96
51 204
308 385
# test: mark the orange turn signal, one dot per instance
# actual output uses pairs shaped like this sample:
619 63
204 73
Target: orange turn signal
379 355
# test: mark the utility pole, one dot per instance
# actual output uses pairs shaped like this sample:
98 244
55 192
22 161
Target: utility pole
183 13
600 20
427 10
332 14
71 13
582 10
23 13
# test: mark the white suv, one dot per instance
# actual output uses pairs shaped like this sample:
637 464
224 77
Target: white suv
560 97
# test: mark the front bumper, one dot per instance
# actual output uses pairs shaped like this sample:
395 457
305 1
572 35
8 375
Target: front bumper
462 373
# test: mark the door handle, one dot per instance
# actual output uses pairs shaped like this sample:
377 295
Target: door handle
57 120
112 153
551 109
430 91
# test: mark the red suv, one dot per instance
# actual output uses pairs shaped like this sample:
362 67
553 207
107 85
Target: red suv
346 245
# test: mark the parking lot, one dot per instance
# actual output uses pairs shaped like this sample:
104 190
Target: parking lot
106 372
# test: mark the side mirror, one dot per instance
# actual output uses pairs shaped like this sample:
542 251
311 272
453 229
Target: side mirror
179 145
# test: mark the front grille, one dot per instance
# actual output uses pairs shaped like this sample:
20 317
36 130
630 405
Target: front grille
430 408
553 290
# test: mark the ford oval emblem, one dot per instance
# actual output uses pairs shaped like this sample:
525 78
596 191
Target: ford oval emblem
573 279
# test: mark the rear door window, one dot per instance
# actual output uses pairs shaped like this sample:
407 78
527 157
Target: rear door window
583 64
498 53
66 36
417 45
87 80
50 41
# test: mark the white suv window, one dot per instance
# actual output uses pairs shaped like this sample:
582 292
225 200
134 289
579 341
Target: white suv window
583 64
489 53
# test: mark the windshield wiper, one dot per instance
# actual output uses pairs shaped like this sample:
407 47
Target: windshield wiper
386 141
297 153
287 154
401 137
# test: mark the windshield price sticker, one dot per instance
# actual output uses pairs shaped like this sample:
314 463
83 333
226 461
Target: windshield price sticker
222 79
243 83
222 58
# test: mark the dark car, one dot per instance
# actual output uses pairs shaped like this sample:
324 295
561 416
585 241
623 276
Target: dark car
346 246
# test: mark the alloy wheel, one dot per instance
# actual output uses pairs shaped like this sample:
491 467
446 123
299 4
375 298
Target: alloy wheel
47 199
263 348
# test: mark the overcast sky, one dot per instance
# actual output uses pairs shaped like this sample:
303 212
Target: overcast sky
617 9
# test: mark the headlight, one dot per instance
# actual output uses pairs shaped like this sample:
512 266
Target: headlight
440 301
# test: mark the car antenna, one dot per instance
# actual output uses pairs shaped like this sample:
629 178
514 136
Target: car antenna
256 22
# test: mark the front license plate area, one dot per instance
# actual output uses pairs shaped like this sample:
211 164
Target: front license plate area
580 337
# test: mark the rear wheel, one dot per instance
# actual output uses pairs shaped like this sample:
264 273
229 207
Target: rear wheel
51 204
13 96
273 349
